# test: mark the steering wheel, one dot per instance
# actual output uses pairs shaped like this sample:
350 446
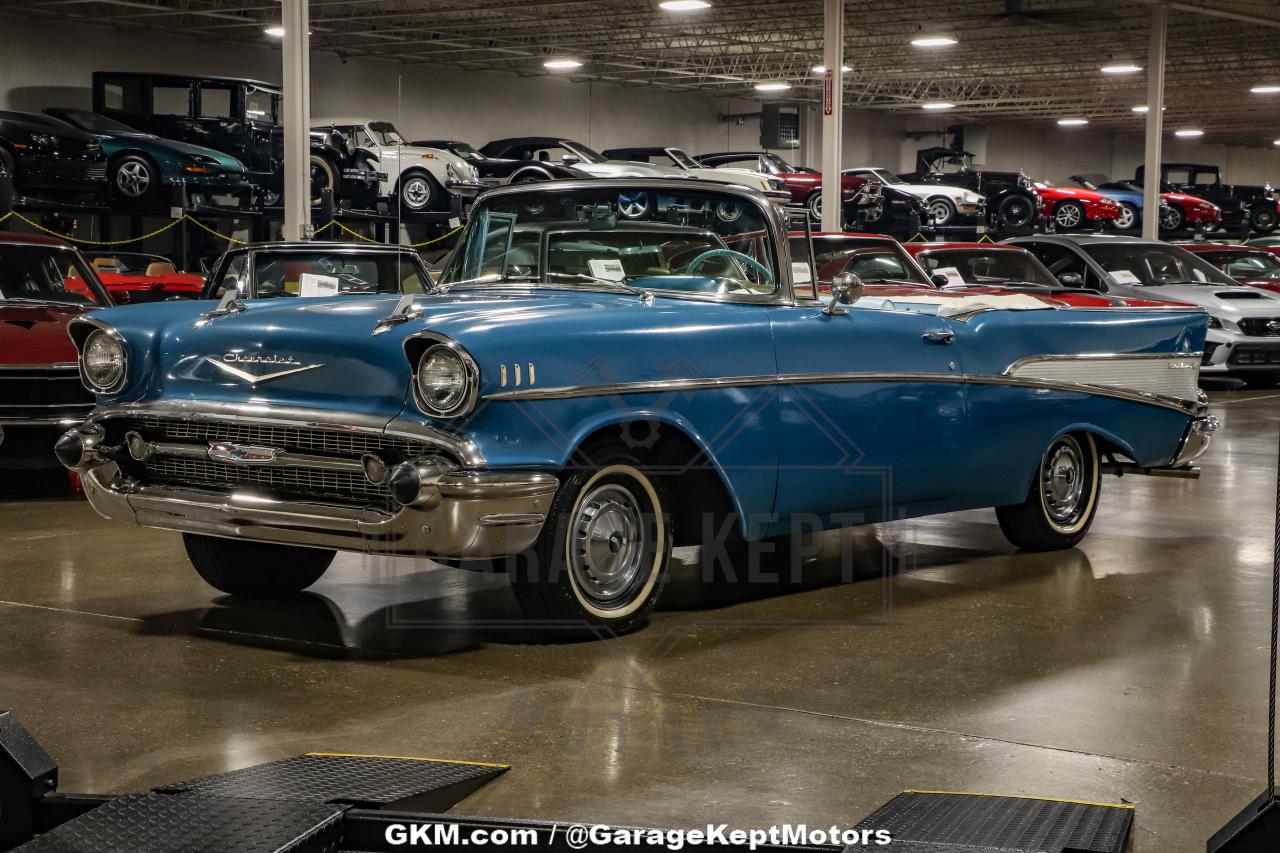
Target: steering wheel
711 254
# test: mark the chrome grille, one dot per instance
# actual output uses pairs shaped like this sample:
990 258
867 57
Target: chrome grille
300 439
306 483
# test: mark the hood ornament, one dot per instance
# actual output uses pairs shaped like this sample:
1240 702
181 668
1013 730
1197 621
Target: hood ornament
228 364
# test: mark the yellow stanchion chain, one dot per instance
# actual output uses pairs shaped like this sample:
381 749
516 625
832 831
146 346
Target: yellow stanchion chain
204 227
88 242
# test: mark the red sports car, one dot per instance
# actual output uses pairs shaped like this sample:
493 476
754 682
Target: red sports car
1075 208
805 185
133 277
44 284
1252 265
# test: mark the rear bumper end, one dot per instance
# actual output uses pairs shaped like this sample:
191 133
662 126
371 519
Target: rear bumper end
1195 441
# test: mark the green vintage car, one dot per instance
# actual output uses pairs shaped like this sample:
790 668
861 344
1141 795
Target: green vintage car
140 166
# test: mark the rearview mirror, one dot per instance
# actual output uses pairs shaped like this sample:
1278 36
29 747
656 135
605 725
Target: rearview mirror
846 289
1071 279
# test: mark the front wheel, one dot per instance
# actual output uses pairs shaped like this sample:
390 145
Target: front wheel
323 177
1128 218
1263 220
815 206
942 210
417 192
1016 211
255 569
1063 498
602 557
1172 218
134 178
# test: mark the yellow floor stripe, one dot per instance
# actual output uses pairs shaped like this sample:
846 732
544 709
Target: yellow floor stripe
1023 797
405 758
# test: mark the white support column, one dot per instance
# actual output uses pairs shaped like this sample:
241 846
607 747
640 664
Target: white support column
1155 124
297 120
832 113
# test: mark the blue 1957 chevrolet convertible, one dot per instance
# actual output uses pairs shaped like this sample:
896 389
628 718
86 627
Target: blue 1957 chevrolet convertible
608 368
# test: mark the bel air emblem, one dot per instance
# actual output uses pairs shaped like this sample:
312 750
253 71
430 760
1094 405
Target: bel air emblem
241 454
230 364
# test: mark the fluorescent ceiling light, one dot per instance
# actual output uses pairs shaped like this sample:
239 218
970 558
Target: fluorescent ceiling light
772 87
1072 122
1265 90
562 64
684 5
822 69
1188 132
937 105
1121 68
933 41
275 32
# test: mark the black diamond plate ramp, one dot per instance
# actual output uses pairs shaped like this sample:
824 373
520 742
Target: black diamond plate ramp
160 823
942 821
368 781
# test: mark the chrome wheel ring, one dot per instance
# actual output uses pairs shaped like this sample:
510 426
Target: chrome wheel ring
416 193
941 212
1127 219
1064 476
633 205
133 179
607 546
815 206
1068 216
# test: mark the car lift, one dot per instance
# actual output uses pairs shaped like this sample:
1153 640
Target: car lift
333 802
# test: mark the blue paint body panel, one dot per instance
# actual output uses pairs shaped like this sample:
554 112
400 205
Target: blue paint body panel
902 431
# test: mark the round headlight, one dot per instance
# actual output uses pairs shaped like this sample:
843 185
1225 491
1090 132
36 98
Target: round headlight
104 361
445 382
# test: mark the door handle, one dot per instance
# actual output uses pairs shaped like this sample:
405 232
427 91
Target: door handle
939 336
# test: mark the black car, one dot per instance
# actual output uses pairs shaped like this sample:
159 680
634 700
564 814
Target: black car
1242 206
496 171
1012 202
47 158
235 116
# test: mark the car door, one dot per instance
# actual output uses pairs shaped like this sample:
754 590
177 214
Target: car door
874 414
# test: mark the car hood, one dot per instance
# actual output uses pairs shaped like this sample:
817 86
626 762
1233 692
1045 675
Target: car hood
1068 192
741 177
1183 198
958 195
629 169
1230 302
36 334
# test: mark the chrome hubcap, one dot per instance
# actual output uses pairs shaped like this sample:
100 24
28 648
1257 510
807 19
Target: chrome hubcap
941 213
606 542
815 206
632 206
1062 480
133 179
1069 216
416 193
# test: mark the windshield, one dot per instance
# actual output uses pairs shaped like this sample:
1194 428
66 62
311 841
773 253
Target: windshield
1154 264
262 105
126 263
873 259
883 176
329 273
1244 265
681 159
777 162
385 132
582 152
698 241
987 266
95 123
46 274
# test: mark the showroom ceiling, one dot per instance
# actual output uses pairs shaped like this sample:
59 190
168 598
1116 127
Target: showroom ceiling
1036 59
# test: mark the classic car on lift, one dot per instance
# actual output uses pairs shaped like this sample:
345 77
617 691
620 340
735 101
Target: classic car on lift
496 171
949 206
48 160
1244 322
805 185
316 268
132 277
236 116
1250 207
538 150
676 158
1178 211
1256 267
419 179
44 284
521 411
1012 203
140 165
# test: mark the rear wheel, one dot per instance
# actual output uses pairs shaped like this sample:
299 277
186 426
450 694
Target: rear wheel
815 205
1128 218
134 178
1069 215
602 557
255 569
1062 500
1263 220
323 176
1016 211
417 191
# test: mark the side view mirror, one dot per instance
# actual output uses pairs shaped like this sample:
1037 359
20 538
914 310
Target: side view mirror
846 289
569 160
939 279
1071 279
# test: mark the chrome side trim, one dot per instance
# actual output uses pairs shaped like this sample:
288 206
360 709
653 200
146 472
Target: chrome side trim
666 385
60 365
1175 375
59 421
260 413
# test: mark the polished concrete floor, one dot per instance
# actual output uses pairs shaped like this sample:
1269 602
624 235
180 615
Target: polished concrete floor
1130 670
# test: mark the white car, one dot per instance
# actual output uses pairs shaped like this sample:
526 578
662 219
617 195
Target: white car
419 179
683 163
949 205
